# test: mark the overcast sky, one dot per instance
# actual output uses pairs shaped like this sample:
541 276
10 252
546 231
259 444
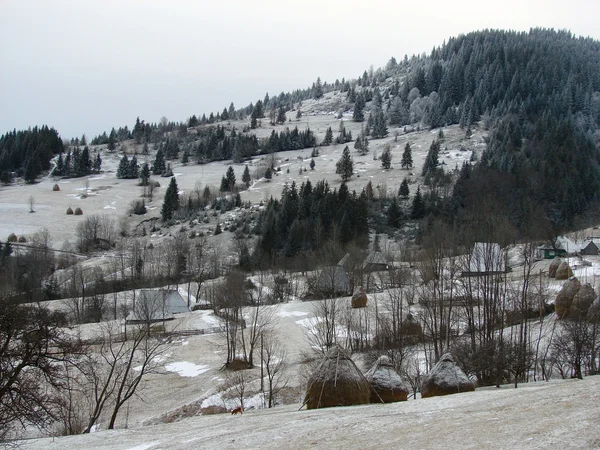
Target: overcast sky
84 66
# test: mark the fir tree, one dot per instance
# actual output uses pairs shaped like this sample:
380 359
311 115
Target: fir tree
246 177
112 140
328 137
379 126
123 167
298 114
404 191
418 206
185 159
358 114
345 165
230 175
268 174
158 167
280 115
144 174
133 169
312 164
171 201
318 89
386 158
431 160
407 161
394 214
97 163
60 165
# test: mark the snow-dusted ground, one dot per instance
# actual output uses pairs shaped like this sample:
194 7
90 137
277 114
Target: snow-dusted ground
109 195
558 414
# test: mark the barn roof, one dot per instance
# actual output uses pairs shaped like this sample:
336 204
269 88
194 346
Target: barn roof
156 305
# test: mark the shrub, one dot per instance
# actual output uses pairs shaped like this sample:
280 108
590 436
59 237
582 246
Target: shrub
138 207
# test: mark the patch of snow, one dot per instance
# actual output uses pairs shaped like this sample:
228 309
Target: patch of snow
292 314
186 369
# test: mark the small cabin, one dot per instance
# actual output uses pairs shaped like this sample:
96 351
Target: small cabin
589 249
156 306
561 247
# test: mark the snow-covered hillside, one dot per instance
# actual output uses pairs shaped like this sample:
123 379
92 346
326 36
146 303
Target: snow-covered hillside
558 414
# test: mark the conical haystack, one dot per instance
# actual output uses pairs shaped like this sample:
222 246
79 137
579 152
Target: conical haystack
593 313
359 298
554 266
69 210
386 385
78 211
582 301
564 272
56 187
564 298
445 378
12 237
337 382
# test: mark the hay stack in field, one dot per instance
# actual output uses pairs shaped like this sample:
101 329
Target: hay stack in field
386 385
564 272
564 298
56 187
337 382
78 211
22 239
593 313
582 301
445 378
69 210
554 266
359 298
12 237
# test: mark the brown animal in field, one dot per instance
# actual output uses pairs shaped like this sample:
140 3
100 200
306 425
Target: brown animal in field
239 409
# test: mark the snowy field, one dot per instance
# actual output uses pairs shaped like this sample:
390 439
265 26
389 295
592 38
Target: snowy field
106 194
558 414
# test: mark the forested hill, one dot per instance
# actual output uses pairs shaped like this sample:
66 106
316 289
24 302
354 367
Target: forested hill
538 93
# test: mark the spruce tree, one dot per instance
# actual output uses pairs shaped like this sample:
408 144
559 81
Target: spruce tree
60 165
431 160
230 175
312 164
404 191
133 169
318 89
246 177
345 165
328 137
171 201
123 167
281 115
97 163
112 140
418 206
379 126
158 167
144 175
185 159
394 214
358 114
407 161
386 158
